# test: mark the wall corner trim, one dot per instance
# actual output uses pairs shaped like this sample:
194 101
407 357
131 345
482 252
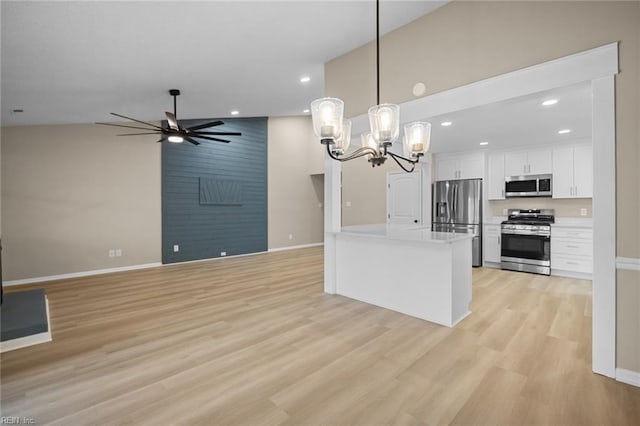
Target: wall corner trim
627 376
628 263
271 250
80 274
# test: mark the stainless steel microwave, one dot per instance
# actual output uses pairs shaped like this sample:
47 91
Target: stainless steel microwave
528 186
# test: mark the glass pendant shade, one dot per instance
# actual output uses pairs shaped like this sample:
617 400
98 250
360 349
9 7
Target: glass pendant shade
384 120
369 142
342 143
417 138
327 114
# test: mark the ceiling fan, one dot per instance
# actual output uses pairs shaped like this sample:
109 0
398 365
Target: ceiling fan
175 132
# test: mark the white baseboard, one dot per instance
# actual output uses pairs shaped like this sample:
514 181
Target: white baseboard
36 339
80 274
136 267
295 247
629 263
627 376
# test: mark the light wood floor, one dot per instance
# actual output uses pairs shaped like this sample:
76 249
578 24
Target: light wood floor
253 340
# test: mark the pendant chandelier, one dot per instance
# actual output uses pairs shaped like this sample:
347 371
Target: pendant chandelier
334 130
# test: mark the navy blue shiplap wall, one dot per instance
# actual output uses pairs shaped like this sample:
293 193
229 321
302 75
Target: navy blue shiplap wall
214 195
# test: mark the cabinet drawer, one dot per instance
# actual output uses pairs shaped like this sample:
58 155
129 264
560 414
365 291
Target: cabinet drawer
571 247
492 231
581 233
574 264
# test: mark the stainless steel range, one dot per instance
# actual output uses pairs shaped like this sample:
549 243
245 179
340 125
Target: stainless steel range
526 241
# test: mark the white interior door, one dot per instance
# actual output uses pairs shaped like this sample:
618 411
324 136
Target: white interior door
404 198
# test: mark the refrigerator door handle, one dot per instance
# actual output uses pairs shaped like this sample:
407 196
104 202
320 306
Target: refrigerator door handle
455 203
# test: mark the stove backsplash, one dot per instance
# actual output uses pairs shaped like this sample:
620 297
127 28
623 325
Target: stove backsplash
562 207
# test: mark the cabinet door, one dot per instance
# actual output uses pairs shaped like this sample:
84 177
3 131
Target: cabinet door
515 163
404 198
563 172
539 161
491 239
472 166
447 168
583 171
495 177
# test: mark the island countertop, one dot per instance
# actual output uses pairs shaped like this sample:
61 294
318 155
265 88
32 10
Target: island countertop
404 233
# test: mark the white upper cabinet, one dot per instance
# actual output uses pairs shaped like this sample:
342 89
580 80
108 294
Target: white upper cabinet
540 161
515 163
528 162
447 168
573 171
472 166
495 176
459 166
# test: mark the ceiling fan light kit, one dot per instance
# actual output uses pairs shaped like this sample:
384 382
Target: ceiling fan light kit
175 133
334 130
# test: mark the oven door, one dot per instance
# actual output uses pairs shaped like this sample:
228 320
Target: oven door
525 248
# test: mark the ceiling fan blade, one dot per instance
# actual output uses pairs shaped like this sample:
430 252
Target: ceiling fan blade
137 121
218 133
161 140
172 120
136 134
188 139
211 139
205 125
123 125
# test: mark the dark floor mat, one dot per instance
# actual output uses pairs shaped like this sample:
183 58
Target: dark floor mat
23 313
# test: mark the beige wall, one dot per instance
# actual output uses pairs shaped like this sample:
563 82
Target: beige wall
628 321
70 193
295 196
464 42
562 208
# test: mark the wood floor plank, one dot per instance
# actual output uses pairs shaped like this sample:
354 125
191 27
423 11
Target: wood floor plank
254 340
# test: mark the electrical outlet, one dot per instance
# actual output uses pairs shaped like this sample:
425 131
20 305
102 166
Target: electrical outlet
112 253
223 253
348 203
504 212
583 212
176 248
291 236
118 252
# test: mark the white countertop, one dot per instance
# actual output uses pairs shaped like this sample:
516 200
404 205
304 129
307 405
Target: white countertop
404 233
494 220
573 222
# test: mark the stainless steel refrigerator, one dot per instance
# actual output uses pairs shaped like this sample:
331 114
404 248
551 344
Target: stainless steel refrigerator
457 207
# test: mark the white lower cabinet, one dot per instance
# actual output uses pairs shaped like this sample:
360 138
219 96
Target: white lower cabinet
491 238
571 251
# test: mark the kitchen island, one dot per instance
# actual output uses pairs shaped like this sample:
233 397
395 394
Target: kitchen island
410 270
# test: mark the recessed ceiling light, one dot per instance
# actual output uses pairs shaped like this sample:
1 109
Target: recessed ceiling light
305 79
564 131
446 123
484 143
549 102
235 112
306 111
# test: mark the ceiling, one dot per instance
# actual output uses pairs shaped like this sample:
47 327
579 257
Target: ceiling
516 122
76 61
